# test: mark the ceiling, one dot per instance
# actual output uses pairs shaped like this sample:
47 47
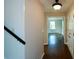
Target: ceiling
66 4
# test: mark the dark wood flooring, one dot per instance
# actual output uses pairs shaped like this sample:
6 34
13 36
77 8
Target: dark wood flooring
56 49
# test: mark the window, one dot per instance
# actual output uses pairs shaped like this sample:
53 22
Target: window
52 25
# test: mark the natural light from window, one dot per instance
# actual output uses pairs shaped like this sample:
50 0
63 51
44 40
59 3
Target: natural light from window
52 40
52 25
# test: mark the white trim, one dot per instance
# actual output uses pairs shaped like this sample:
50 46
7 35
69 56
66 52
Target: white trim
42 55
45 43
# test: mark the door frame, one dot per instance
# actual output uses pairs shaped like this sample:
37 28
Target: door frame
64 27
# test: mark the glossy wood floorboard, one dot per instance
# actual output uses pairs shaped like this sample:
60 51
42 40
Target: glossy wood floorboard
56 49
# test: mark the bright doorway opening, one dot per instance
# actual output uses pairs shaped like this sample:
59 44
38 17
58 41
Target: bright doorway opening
55 30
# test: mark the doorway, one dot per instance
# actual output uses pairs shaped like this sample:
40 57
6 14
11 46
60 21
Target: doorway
55 30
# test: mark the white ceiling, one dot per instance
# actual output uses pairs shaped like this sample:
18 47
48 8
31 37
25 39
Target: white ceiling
48 5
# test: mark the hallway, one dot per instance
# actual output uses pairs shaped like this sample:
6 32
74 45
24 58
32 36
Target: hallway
58 50
27 21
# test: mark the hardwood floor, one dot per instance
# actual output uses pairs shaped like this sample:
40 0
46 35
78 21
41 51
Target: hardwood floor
56 49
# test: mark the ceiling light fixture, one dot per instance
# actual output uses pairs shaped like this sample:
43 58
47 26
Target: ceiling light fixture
57 5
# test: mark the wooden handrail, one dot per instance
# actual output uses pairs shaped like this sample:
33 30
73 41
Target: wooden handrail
14 35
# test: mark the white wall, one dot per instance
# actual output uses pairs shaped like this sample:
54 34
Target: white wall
13 49
5 58
14 16
70 30
14 20
34 29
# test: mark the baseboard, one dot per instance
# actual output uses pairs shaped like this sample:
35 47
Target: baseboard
69 50
42 55
45 43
